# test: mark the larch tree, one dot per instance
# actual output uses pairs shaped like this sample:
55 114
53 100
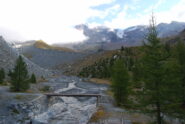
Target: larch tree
120 82
33 79
156 76
19 77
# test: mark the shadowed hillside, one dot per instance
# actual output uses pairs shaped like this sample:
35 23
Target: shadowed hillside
8 56
48 56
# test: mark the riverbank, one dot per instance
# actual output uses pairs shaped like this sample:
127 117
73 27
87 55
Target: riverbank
18 108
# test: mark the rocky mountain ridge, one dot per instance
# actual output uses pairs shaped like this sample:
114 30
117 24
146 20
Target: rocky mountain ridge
8 56
109 39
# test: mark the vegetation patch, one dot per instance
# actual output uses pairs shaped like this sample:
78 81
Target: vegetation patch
99 114
4 84
15 111
42 79
45 89
42 45
28 55
2 75
19 97
100 81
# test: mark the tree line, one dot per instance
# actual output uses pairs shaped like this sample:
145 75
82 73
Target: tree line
19 77
102 68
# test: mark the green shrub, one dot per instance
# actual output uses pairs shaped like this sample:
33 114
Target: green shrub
45 89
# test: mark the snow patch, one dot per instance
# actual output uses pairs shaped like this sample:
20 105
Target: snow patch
120 33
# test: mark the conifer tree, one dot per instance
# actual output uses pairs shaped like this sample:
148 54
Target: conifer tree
2 75
179 106
154 96
33 79
122 48
19 77
120 82
180 54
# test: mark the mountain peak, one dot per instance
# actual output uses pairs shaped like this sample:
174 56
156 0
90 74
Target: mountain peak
131 36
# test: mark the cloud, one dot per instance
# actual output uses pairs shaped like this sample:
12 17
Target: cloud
155 6
50 20
54 20
176 13
124 19
135 1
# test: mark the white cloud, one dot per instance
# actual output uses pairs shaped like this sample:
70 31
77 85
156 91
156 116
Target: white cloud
94 24
176 13
124 20
53 20
50 20
111 10
136 1
155 6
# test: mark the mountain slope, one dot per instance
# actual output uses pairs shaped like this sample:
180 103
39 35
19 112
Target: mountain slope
90 61
174 39
48 56
8 56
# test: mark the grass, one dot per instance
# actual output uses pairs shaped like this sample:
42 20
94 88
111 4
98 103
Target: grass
19 97
42 45
42 79
100 81
28 55
45 89
98 115
15 111
29 91
4 83
139 123
109 92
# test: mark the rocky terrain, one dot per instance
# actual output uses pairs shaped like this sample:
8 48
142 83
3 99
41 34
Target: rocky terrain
23 108
8 56
36 108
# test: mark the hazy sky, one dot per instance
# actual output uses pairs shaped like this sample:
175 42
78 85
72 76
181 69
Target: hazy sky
54 20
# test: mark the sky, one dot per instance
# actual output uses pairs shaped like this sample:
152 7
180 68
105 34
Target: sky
53 20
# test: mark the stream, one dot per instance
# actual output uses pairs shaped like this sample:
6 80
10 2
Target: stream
67 110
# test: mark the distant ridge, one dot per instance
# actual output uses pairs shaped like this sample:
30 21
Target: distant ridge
48 56
43 45
111 39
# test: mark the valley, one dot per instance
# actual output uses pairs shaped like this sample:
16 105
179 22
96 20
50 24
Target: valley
83 68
